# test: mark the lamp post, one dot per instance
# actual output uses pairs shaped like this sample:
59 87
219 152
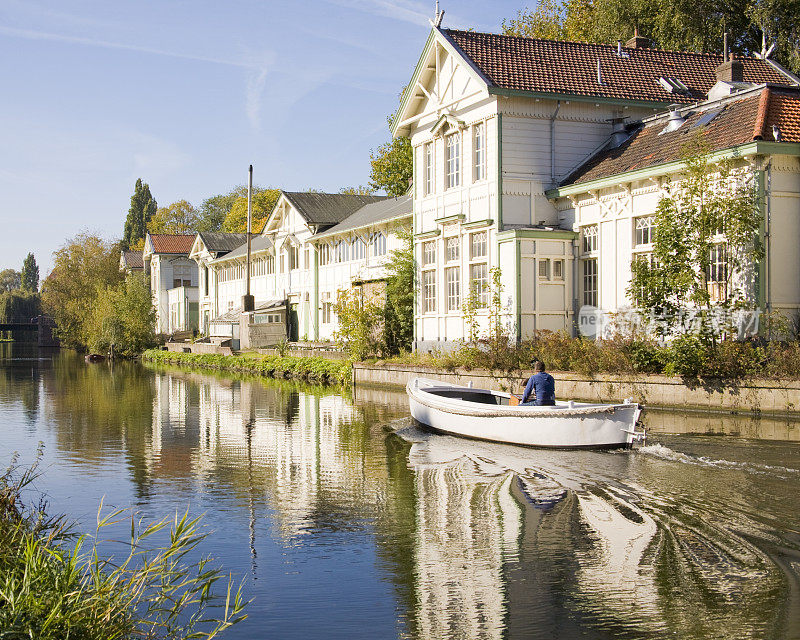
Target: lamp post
248 302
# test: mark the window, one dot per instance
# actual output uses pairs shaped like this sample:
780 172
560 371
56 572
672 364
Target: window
205 279
378 244
478 245
590 282
294 257
181 276
453 160
558 269
428 291
342 251
453 280
428 166
428 253
324 254
479 281
451 246
644 230
544 269
479 151
307 258
359 249
327 308
717 272
283 262
270 264
590 235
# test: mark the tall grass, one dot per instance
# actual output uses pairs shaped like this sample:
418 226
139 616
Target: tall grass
56 585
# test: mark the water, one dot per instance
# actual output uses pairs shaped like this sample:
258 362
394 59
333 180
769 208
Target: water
343 528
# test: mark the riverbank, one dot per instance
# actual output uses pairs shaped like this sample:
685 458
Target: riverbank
313 369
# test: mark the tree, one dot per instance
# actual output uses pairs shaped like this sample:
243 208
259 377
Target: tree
705 244
360 190
392 167
398 312
359 323
682 25
30 274
215 209
83 266
179 217
122 315
263 202
143 208
19 306
10 280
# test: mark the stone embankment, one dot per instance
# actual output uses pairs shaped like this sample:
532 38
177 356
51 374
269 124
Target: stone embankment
756 397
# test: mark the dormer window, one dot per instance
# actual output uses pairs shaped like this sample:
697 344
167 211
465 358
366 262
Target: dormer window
673 85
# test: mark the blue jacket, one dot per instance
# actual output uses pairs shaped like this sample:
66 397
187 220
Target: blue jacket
545 387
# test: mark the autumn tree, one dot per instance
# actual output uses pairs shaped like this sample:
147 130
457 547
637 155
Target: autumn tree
177 218
122 315
29 275
215 209
85 265
360 190
263 200
10 280
143 208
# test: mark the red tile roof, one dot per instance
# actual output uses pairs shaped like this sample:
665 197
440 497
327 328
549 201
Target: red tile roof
549 66
169 243
738 122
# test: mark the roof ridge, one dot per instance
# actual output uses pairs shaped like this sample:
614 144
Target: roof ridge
612 47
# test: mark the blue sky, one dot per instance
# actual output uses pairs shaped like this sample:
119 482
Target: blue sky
186 94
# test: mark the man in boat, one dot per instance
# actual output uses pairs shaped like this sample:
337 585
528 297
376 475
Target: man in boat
541 387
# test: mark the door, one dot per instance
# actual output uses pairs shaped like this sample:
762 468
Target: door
294 324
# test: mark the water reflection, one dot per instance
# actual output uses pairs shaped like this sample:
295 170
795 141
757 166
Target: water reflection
348 530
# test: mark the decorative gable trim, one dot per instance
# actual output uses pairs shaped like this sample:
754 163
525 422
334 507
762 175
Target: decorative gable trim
445 124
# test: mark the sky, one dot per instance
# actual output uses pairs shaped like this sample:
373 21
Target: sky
186 95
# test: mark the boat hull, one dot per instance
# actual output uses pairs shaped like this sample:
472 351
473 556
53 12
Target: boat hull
566 426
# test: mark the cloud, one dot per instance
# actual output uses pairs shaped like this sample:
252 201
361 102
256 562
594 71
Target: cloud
29 34
403 10
255 81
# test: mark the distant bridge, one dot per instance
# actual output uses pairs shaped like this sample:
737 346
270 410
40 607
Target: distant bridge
42 325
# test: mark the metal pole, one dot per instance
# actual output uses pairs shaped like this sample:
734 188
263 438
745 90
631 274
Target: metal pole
249 221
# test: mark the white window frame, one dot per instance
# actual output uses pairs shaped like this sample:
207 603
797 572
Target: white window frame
643 231
590 238
428 167
452 160
558 269
429 253
452 248
478 240
429 291
453 284
590 282
543 269
479 152
481 285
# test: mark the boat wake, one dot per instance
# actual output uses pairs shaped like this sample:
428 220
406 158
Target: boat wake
665 453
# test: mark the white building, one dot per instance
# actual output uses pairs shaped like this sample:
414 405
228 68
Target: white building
209 246
498 121
294 264
173 281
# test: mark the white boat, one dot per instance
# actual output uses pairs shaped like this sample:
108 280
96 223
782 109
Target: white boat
487 415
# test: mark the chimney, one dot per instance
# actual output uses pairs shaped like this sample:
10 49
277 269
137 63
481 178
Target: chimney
675 119
637 42
730 71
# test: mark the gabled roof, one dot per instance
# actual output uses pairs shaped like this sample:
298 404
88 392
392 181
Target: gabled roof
722 124
171 243
327 208
374 213
219 242
132 259
571 68
257 243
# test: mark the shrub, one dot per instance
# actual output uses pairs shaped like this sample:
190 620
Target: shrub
55 584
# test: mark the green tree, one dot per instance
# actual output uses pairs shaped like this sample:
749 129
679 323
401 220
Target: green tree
215 209
85 265
10 280
359 323
179 217
711 211
143 208
263 202
19 306
30 274
123 315
392 167
398 312
360 190
682 25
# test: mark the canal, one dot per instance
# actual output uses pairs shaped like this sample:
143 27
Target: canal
347 522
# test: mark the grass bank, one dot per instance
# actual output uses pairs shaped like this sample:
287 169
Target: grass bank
313 369
55 584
